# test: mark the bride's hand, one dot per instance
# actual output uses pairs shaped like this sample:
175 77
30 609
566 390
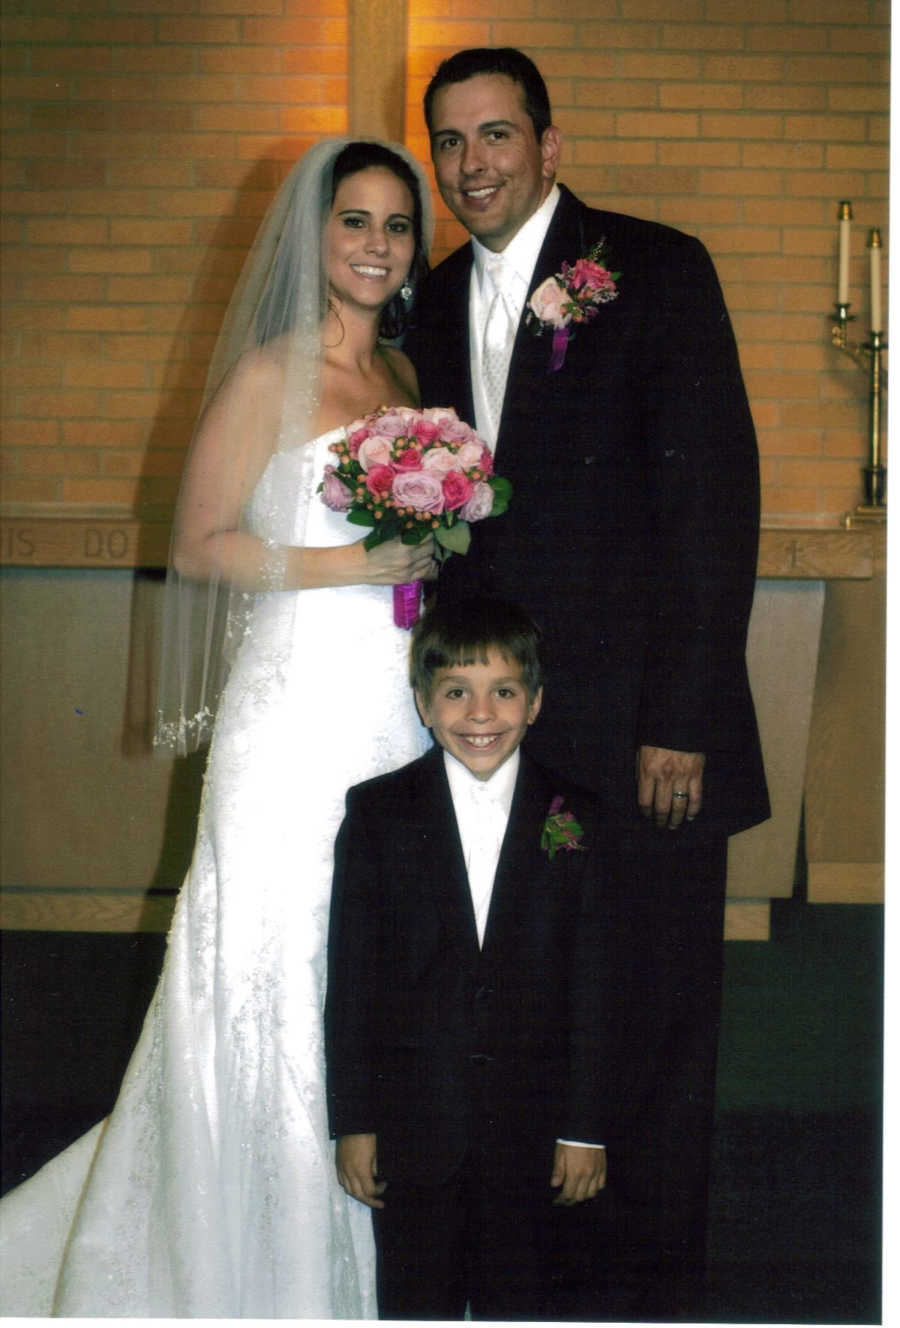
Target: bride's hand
393 562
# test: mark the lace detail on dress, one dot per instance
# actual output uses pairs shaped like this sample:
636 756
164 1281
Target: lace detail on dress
212 1192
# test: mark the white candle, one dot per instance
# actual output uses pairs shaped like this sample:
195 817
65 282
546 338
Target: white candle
845 213
875 277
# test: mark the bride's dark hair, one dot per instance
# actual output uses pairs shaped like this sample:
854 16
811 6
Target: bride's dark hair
361 156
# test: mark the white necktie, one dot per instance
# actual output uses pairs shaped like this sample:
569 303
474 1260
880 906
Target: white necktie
485 830
499 335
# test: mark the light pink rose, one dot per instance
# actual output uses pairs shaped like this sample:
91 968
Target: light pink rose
374 451
439 413
479 505
420 490
380 481
455 431
547 302
396 422
335 493
440 461
457 490
469 454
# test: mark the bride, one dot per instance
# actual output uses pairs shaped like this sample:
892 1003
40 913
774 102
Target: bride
210 1190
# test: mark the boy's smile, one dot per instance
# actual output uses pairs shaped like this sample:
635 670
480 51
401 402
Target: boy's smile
480 712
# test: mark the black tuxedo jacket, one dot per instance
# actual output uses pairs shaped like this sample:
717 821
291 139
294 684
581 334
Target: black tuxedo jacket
436 1045
632 533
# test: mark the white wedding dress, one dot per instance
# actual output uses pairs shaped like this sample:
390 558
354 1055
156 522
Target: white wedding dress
210 1190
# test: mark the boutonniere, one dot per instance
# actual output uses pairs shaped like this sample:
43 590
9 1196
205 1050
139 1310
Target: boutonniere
560 830
573 295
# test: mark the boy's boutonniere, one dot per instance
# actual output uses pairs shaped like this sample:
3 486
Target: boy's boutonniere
573 295
560 830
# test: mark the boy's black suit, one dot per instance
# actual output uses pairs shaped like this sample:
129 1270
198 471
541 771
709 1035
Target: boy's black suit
460 1058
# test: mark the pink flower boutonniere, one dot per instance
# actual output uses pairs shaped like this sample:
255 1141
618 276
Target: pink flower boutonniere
573 295
560 830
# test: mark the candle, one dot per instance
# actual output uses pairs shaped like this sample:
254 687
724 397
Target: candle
845 215
875 277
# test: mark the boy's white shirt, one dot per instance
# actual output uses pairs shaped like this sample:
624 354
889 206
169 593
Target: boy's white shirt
482 810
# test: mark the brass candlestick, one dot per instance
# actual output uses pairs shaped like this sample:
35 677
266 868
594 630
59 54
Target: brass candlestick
868 357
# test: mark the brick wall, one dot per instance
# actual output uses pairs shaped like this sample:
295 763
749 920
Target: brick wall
743 122
142 145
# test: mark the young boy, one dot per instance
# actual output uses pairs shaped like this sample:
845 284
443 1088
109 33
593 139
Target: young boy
474 999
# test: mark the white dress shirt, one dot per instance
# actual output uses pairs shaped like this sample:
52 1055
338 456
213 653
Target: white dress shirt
482 811
520 256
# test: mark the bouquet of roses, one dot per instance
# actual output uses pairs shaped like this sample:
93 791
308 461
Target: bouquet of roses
409 474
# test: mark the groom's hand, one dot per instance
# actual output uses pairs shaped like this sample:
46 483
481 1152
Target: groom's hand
356 1160
670 785
579 1173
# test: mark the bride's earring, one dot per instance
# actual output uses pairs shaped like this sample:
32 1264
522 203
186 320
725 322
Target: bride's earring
406 291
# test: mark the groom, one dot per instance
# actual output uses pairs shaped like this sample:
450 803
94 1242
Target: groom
631 539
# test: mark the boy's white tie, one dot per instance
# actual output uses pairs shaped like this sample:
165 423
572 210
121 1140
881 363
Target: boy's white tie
486 828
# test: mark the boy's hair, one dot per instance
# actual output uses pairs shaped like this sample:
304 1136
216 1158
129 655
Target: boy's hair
464 632
506 60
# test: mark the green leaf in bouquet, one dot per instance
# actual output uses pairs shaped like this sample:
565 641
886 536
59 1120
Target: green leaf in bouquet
417 534
385 528
360 516
455 538
502 494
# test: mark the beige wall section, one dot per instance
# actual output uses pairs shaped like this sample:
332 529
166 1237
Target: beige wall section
845 786
782 652
83 802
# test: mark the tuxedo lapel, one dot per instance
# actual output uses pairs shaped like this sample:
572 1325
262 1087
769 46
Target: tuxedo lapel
565 241
451 346
521 859
445 881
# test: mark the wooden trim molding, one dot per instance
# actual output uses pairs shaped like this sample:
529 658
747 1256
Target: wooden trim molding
104 540
377 69
136 911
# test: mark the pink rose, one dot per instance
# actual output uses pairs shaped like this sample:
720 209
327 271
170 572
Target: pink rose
592 275
375 450
335 493
457 490
397 422
438 414
469 455
547 303
426 431
420 490
380 481
440 460
411 459
356 436
455 431
486 464
479 505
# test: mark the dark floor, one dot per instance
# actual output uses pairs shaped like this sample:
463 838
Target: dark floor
795 1210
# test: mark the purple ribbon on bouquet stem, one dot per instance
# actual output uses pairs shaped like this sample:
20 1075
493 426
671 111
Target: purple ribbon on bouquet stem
407 598
560 342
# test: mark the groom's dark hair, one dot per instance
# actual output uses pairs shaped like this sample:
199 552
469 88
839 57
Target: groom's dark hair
464 632
495 60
